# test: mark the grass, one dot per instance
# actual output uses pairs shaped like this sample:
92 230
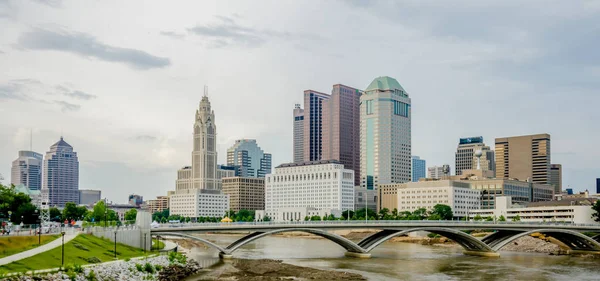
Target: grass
157 244
81 250
10 245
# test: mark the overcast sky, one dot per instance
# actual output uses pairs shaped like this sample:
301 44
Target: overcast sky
121 80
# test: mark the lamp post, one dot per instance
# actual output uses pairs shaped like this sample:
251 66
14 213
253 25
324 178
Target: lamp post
62 261
39 228
145 236
115 244
105 214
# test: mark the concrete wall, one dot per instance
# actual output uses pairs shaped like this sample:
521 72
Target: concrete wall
133 235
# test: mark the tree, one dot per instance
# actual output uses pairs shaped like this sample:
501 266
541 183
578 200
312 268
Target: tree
596 209
477 218
345 214
19 204
501 218
489 219
383 212
70 212
395 214
443 211
131 215
419 214
517 218
434 217
266 218
315 218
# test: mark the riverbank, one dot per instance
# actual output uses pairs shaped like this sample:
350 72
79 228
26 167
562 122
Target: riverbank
272 270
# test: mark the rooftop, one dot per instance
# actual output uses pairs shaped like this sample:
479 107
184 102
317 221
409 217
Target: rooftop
61 143
384 83
308 163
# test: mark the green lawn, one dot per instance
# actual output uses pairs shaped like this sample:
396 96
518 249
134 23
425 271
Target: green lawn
157 244
10 245
77 251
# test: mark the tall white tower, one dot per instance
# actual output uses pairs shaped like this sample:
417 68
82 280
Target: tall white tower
204 154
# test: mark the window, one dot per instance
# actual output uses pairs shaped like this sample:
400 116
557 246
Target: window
369 106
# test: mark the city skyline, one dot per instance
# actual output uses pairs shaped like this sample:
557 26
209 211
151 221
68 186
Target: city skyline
129 133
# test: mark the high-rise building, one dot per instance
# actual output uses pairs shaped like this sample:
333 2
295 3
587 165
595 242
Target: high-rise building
418 168
435 172
27 170
245 193
298 134
597 185
524 158
313 125
60 177
159 204
89 197
323 185
198 187
385 138
248 159
135 200
341 128
466 157
556 177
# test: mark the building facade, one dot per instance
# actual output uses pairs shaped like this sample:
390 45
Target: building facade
418 168
435 172
556 177
466 158
323 185
298 134
365 198
89 197
313 125
598 186
385 126
523 158
552 211
341 128
198 187
196 203
426 194
249 159
135 200
60 176
245 193
159 204
27 170
521 192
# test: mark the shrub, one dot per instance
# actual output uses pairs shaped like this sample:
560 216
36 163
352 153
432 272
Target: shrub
127 259
81 247
77 268
91 276
68 268
177 257
139 267
158 267
72 276
433 235
149 268
93 260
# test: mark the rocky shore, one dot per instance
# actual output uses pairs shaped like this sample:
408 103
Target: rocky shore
162 268
272 270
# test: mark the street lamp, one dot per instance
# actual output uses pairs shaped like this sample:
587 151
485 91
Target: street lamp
62 262
115 244
145 237
39 227
105 214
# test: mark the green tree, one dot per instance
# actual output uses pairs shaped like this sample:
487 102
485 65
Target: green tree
434 217
345 214
419 214
19 204
501 218
443 211
55 214
131 215
266 218
477 218
517 218
596 209
315 218
383 212
489 219
70 212
395 214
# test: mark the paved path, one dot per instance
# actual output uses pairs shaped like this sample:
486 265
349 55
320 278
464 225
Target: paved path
169 246
40 249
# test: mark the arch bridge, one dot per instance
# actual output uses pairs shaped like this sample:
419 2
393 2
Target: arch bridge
503 233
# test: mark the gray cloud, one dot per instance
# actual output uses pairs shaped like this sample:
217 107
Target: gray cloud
172 34
76 94
229 33
87 46
145 138
66 107
18 89
51 3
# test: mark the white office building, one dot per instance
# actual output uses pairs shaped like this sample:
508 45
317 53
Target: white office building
321 185
426 194
27 170
435 172
385 134
199 203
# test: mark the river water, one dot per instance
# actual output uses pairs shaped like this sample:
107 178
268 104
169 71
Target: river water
406 261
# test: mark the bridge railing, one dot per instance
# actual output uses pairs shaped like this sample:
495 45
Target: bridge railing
380 222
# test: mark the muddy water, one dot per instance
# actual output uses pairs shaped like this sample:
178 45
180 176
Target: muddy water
405 261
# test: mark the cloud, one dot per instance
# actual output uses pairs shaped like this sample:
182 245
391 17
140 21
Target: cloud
227 32
18 89
66 107
76 94
88 46
172 34
145 138
51 3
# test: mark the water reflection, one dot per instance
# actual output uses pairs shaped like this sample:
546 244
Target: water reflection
404 261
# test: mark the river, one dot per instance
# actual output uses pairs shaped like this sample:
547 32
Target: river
406 261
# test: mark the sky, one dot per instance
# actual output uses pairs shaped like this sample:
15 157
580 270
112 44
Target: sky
121 80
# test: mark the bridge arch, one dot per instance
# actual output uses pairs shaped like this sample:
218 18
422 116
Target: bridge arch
573 239
344 242
204 241
465 240
597 237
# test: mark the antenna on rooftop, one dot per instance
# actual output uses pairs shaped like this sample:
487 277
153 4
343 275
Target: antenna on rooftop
205 91
31 140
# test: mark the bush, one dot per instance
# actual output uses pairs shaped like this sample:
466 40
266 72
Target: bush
149 268
77 268
80 247
158 267
433 235
68 268
91 276
139 267
177 257
93 260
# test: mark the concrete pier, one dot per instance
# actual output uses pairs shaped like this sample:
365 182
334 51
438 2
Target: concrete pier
358 255
225 256
482 254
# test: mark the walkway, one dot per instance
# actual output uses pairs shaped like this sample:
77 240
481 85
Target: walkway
169 246
38 250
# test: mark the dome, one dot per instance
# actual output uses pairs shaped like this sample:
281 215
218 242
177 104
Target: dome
384 83
61 143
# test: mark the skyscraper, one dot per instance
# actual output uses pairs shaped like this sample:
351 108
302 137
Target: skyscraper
465 158
60 177
556 177
198 187
435 172
341 128
248 159
313 125
27 170
298 134
418 168
597 185
523 158
385 138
